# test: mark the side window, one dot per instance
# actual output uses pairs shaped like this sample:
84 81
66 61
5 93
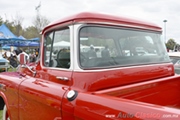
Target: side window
96 46
57 49
47 44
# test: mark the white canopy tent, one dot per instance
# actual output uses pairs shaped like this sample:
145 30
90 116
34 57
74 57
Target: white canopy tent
61 44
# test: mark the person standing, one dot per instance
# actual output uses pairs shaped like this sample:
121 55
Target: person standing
105 53
37 52
91 53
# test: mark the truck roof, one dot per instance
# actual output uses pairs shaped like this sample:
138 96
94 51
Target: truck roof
99 18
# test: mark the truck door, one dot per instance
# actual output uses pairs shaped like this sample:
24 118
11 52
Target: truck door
40 97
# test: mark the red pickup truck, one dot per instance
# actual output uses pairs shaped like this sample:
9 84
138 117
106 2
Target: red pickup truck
94 66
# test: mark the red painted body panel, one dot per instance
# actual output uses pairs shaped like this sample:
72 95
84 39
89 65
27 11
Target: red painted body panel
97 80
35 103
97 18
89 106
142 92
11 83
166 89
43 93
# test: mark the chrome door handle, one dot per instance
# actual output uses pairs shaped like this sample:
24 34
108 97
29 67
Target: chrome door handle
63 78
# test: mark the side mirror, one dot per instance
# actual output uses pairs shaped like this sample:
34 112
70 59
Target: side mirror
22 59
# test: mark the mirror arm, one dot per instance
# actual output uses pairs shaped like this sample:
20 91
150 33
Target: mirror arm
29 68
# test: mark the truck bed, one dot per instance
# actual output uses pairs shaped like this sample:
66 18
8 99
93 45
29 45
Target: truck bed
164 92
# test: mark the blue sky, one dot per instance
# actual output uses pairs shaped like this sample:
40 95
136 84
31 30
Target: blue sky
153 11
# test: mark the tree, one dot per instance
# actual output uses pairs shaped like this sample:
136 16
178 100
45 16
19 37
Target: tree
171 44
15 26
1 20
31 32
9 25
40 22
17 22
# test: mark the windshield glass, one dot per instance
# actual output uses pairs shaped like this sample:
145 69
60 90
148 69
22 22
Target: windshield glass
105 46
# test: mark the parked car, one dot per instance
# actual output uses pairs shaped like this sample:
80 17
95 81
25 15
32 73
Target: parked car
175 59
4 63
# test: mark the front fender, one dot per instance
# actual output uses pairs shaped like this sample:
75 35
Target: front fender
9 90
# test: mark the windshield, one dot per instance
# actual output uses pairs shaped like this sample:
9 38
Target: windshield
105 46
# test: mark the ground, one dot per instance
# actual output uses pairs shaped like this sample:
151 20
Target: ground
1 114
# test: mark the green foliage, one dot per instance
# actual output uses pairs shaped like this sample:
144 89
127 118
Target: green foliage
1 112
171 44
40 22
15 26
11 69
1 20
31 32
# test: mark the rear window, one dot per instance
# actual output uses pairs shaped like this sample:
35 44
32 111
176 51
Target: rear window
106 47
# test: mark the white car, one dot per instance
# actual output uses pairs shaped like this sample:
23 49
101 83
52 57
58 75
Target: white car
4 63
175 59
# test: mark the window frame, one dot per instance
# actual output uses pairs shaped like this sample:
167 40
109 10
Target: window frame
53 31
